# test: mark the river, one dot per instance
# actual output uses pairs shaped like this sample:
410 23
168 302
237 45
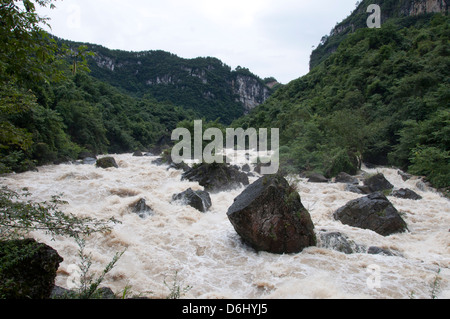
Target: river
207 255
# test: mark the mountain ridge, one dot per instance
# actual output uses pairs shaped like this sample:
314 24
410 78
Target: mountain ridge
204 84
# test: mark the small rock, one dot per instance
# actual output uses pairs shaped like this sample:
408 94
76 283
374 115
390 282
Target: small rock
200 200
358 189
141 208
378 183
346 178
317 178
405 176
339 242
406 194
379 251
107 162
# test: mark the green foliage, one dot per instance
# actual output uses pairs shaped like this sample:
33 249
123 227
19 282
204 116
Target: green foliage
382 97
89 285
177 290
201 85
19 217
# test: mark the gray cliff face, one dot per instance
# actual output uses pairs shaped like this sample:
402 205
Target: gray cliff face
426 6
250 91
246 89
403 8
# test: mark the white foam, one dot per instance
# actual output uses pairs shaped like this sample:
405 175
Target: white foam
209 256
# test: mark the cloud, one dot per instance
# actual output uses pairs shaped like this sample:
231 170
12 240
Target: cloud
271 38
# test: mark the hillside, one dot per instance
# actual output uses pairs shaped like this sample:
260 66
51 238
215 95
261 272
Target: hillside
407 13
382 98
205 85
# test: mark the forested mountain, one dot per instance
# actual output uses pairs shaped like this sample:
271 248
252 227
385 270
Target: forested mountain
382 97
53 107
407 10
205 85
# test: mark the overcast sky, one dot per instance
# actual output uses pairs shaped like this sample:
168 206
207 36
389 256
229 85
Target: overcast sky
270 37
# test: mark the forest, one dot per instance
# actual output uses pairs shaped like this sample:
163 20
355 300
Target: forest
52 109
382 98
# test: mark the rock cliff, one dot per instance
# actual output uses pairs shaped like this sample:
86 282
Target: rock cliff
206 85
390 9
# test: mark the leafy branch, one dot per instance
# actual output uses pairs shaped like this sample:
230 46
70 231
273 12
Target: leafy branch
17 218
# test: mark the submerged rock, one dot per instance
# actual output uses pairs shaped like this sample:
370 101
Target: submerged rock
374 212
200 200
141 208
339 242
373 250
406 194
269 216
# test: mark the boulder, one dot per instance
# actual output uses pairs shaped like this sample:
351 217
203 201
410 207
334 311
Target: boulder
339 242
28 269
405 176
406 194
107 162
373 212
200 200
269 216
166 159
358 189
141 208
138 154
378 183
216 177
346 179
317 178
373 250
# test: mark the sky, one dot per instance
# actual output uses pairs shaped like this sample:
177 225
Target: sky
272 38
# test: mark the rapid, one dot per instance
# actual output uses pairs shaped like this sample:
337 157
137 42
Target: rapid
206 253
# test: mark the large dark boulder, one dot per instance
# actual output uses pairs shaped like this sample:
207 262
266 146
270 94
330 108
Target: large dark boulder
378 183
216 177
27 269
269 216
374 212
107 162
200 200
